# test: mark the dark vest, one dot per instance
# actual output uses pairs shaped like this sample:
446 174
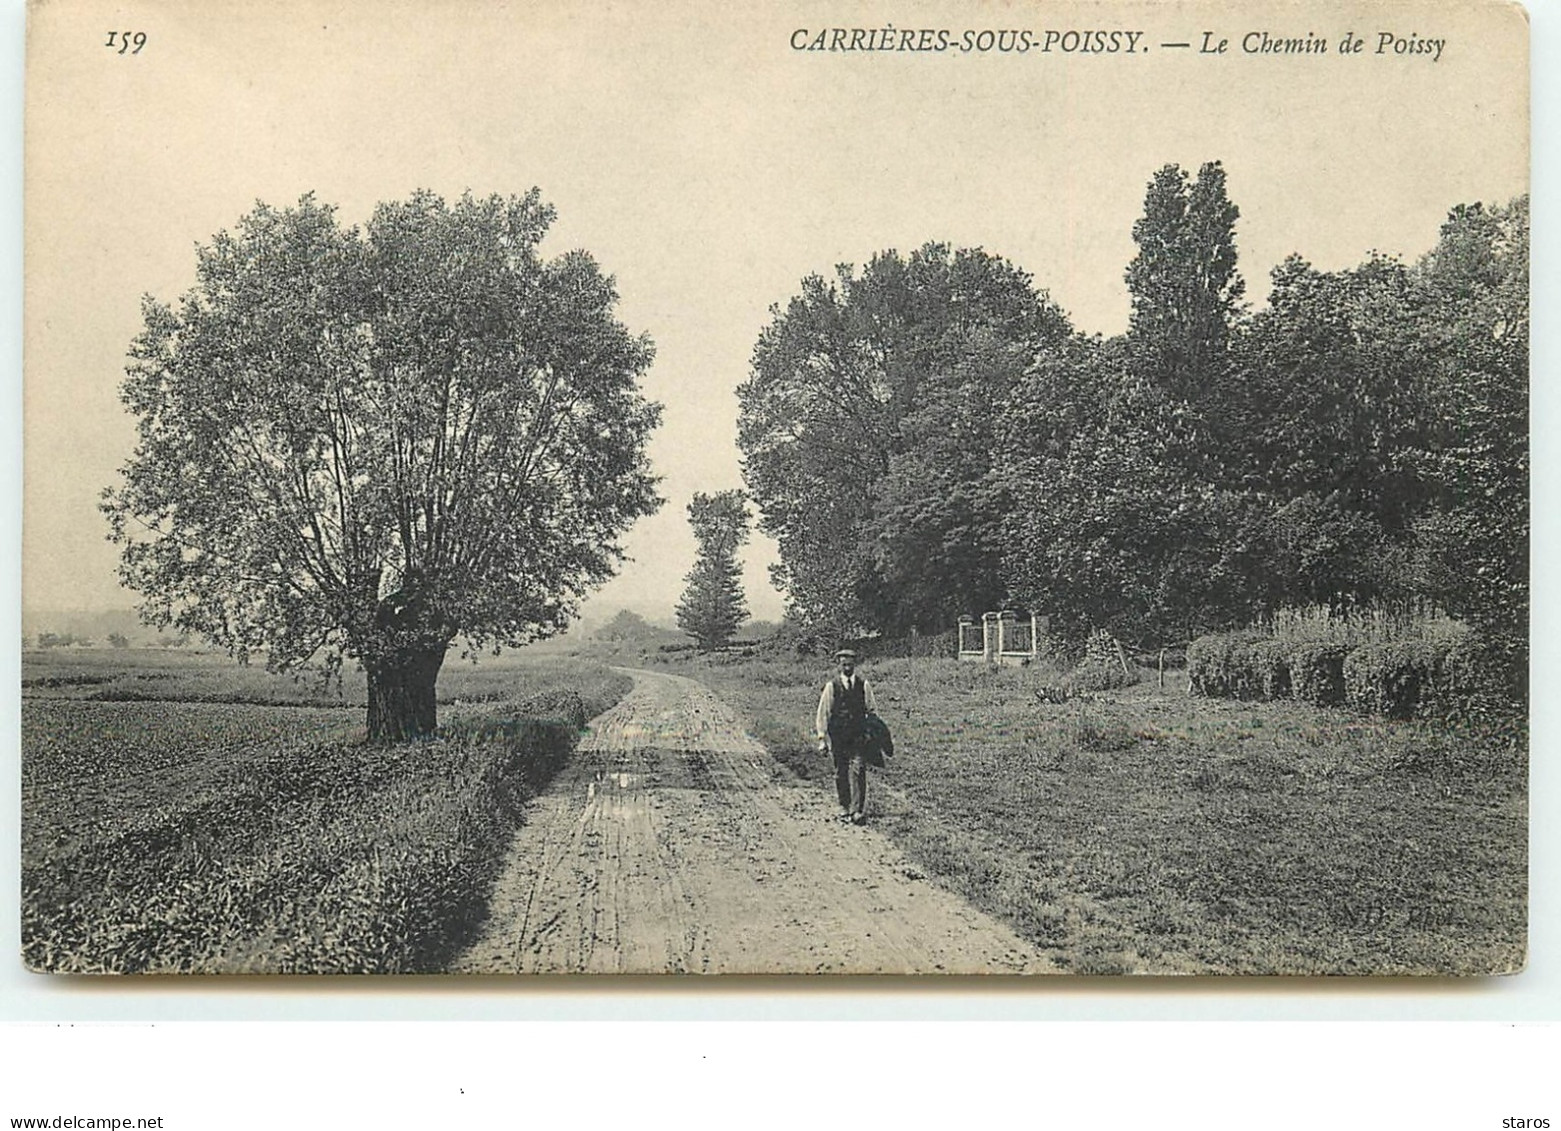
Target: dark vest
848 713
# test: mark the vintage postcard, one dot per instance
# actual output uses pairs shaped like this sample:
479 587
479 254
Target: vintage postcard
794 488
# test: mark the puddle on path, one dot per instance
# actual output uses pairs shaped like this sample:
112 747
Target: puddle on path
608 780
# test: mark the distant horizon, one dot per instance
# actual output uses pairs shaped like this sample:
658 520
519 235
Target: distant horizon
666 618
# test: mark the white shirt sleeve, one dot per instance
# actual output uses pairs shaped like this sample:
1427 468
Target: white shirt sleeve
826 703
867 694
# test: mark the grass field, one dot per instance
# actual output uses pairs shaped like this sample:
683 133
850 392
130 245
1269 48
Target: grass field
190 676
1144 831
181 814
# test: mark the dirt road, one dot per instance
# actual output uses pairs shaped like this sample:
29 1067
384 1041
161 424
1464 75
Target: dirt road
673 843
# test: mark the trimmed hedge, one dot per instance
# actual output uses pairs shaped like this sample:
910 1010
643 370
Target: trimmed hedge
1252 665
1317 673
1237 665
1462 676
1270 663
1387 679
1473 678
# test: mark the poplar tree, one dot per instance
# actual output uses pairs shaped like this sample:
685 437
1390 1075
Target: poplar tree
713 605
1185 288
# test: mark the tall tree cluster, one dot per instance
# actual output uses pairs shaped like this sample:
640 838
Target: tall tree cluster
929 437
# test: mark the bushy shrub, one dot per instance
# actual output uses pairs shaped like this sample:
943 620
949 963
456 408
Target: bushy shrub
1483 678
1205 662
1435 668
1100 675
1239 665
1317 673
1102 648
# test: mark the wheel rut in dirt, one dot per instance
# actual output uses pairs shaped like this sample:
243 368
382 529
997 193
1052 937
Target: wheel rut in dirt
673 843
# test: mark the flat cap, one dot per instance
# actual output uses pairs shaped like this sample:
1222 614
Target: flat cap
845 653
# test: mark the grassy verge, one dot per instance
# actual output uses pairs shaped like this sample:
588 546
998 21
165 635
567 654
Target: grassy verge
224 838
1144 831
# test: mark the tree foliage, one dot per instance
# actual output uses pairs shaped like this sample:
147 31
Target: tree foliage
1331 388
1362 441
865 425
713 605
926 437
1113 522
1116 514
367 444
1473 544
628 626
1185 288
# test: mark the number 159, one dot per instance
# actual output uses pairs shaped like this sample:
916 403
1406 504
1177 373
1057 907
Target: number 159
131 41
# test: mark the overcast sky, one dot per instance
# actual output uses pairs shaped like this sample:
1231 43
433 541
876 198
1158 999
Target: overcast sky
709 166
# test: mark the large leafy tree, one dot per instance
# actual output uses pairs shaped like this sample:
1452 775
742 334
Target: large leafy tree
867 424
1383 411
1329 394
1474 543
937 510
813 427
1112 522
369 444
1332 388
713 605
1362 440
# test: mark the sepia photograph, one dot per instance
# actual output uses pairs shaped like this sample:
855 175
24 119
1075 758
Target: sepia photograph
996 488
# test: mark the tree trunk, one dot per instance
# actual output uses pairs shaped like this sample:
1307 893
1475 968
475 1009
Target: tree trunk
401 694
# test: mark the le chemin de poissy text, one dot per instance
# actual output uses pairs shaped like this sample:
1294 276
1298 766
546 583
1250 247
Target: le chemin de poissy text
1020 41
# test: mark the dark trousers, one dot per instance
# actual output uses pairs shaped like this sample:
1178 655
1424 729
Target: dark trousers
851 777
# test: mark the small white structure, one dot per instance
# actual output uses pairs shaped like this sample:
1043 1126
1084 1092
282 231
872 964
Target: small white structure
1001 638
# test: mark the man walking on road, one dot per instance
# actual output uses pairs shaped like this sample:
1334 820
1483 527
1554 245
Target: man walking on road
841 726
